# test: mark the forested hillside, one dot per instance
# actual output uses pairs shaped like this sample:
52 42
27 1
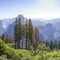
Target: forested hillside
27 45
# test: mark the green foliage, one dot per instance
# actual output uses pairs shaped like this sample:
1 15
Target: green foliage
10 45
2 47
9 52
31 32
42 46
26 32
42 53
3 37
17 33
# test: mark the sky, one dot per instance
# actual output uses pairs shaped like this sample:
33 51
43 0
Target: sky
45 9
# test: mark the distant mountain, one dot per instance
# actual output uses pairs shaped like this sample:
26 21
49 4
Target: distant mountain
49 30
2 27
38 22
4 23
10 30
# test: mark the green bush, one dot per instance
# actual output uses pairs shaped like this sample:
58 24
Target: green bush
10 52
2 47
7 52
10 45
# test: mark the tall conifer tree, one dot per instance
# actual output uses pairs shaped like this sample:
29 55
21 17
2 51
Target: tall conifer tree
36 34
17 32
26 33
31 33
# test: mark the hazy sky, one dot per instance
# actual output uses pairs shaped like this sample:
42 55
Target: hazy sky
46 9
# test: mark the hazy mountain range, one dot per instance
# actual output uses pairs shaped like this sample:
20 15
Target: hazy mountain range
49 29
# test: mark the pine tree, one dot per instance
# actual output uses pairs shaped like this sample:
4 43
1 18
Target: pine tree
17 32
36 33
23 35
56 45
51 45
31 33
20 31
26 33
3 38
47 43
59 44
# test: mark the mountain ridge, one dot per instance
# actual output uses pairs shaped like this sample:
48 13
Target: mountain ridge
49 30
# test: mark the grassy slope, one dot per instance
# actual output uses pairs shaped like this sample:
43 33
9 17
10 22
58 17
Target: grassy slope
6 51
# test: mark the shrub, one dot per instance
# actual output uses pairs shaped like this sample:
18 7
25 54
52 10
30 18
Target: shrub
10 45
2 47
10 52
